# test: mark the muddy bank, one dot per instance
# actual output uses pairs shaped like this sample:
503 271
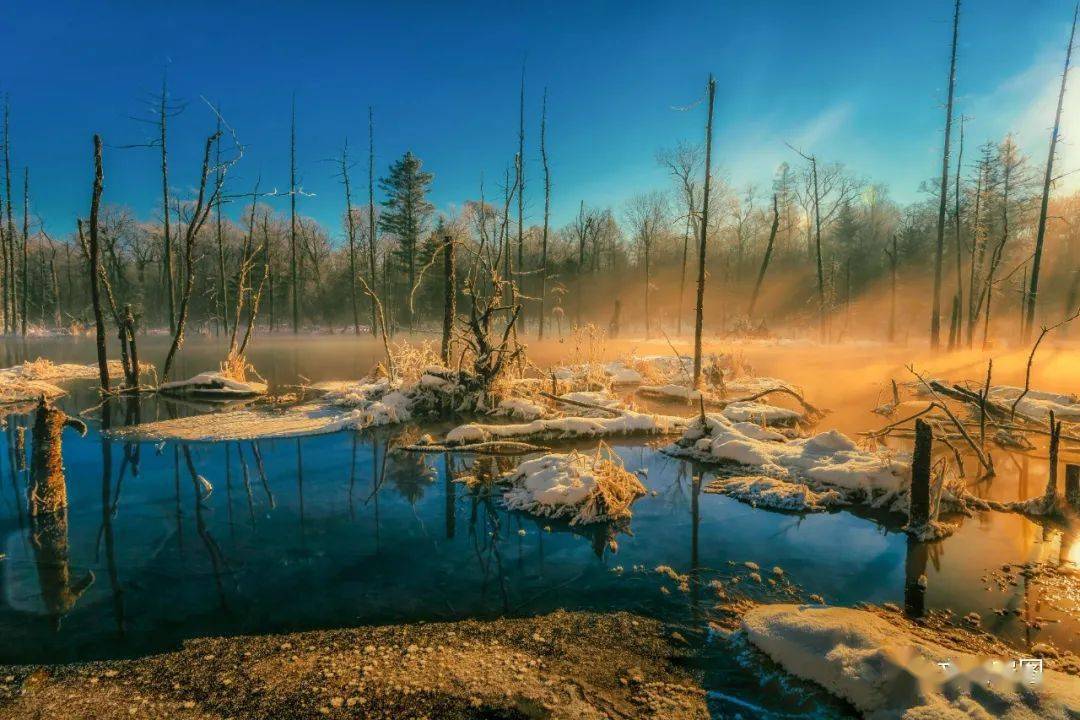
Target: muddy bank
562 665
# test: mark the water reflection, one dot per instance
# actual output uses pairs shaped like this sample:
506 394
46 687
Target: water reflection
344 529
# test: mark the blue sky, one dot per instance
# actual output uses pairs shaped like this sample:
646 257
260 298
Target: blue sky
861 83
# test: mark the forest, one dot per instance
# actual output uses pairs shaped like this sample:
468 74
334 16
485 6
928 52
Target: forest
822 250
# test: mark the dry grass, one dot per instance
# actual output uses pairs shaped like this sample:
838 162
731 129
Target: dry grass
616 490
236 367
411 360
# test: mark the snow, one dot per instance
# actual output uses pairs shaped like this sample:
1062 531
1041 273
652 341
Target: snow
628 423
518 407
767 492
583 488
828 459
752 411
1038 404
620 374
886 671
673 391
376 402
213 384
553 480
299 421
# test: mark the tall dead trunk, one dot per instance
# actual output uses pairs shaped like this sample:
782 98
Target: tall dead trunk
25 252
817 248
167 250
977 255
699 314
350 227
521 188
1048 178
292 222
939 252
449 297
768 256
647 242
13 288
372 239
894 259
223 291
94 253
547 214
957 323
198 218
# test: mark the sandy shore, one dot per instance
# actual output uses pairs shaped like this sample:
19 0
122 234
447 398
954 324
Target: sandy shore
562 665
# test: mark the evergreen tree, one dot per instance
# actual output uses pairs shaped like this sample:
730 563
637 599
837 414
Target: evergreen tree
406 215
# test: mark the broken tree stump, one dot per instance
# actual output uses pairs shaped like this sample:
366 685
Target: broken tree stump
919 508
1072 486
48 489
1055 442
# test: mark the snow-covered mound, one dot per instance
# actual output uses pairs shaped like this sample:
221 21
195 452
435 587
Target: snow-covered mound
886 671
378 401
585 489
766 492
828 459
1038 404
213 384
627 423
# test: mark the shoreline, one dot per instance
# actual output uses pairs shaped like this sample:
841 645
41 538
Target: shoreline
559 665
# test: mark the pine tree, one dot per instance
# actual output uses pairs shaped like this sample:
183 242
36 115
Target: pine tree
406 215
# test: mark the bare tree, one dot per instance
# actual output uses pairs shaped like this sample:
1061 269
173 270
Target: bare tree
350 227
204 203
93 252
765 259
1033 290
699 315
372 237
13 289
647 215
547 214
939 252
521 178
25 253
683 162
294 256
956 323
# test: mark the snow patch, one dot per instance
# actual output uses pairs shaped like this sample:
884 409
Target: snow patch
213 384
886 671
767 492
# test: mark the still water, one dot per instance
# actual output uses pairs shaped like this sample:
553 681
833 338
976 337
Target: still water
336 531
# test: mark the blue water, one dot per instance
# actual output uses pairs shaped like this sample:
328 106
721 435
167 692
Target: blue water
335 531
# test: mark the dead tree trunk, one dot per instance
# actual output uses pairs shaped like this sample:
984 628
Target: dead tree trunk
292 222
94 255
893 260
1072 486
372 239
939 252
13 283
957 322
198 218
25 252
699 315
223 290
919 507
521 189
167 251
350 227
547 213
48 490
1033 289
449 297
1050 496
768 256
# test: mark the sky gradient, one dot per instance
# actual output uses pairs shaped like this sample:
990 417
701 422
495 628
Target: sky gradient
860 83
